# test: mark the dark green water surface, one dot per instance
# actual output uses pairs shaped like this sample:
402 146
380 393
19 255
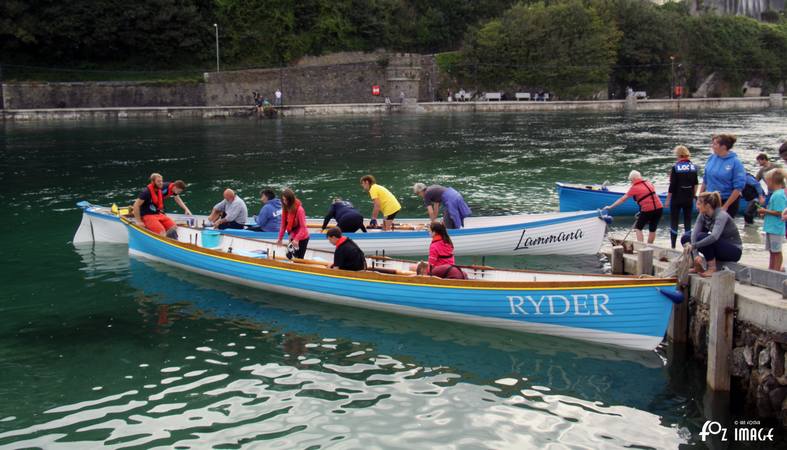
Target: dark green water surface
99 350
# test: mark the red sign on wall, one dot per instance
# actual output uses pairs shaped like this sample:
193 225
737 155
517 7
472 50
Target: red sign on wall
375 90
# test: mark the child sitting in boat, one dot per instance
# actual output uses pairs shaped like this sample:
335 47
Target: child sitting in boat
441 256
347 256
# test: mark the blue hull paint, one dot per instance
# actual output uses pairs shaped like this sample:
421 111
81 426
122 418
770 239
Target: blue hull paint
601 314
573 198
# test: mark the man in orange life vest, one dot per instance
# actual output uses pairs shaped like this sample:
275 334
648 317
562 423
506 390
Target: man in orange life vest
149 207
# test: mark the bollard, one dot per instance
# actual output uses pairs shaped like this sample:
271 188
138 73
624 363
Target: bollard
777 101
722 302
645 261
617 260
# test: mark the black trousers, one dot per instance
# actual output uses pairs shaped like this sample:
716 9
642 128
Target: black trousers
301 251
351 224
675 212
733 211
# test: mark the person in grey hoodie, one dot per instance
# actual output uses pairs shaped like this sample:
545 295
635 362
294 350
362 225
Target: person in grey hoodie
714 234
269 218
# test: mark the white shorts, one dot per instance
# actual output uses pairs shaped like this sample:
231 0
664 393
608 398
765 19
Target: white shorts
773 242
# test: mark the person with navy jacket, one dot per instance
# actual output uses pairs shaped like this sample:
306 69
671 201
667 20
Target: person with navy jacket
724 173
683 181
348 218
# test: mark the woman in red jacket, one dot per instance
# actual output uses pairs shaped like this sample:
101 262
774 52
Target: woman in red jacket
441 255
293 221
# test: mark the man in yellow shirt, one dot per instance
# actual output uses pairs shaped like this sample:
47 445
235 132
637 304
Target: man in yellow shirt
384 202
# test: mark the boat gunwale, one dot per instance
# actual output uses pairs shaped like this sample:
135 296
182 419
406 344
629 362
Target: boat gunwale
629 281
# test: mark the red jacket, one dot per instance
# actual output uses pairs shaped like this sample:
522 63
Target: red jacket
294 223
440 252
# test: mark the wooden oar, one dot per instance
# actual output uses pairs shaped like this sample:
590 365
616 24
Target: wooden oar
401 227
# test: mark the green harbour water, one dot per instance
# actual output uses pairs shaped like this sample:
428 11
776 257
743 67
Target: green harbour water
97 349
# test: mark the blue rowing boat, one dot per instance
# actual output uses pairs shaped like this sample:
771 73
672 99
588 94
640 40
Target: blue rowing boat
582 197
624 311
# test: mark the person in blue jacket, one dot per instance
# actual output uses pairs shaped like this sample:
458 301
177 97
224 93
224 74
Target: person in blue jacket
348 218
754 194
724 173
269 218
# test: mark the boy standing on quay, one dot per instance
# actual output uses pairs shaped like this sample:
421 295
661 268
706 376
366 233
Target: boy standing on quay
773 225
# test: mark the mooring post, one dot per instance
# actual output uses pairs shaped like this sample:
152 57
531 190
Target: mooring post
645 261
617 260
679 321
722 302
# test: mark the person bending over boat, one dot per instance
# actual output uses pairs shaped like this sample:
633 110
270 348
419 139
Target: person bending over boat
293 221
347 256
441 255
650 207
714 235
384 202
269 218
724 173
348 218
230 212
683 183
149 206
455 210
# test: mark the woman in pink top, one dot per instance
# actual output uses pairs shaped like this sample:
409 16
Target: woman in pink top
441 250
650 207
293 221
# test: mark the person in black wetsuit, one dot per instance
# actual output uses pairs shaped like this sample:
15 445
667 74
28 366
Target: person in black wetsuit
348 219
683 181
347 256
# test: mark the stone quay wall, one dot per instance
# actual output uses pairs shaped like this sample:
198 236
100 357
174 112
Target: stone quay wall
101 95
758 358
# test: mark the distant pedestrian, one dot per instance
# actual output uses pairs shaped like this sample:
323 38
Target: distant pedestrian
773 224
401 96
650 207
724 173
277 94
683 181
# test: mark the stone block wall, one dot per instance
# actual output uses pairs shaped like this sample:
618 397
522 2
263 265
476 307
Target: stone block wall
300 85
758 359
101 95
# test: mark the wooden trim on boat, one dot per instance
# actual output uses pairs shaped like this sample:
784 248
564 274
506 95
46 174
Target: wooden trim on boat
630 281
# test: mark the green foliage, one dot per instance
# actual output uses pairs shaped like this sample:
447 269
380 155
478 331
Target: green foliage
563 47
180 33
648 39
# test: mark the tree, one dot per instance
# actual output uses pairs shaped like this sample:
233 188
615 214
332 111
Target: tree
563 47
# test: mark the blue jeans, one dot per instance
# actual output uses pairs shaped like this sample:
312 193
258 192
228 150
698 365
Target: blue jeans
721 250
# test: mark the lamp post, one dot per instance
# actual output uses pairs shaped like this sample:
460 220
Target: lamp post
216 26
672 82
